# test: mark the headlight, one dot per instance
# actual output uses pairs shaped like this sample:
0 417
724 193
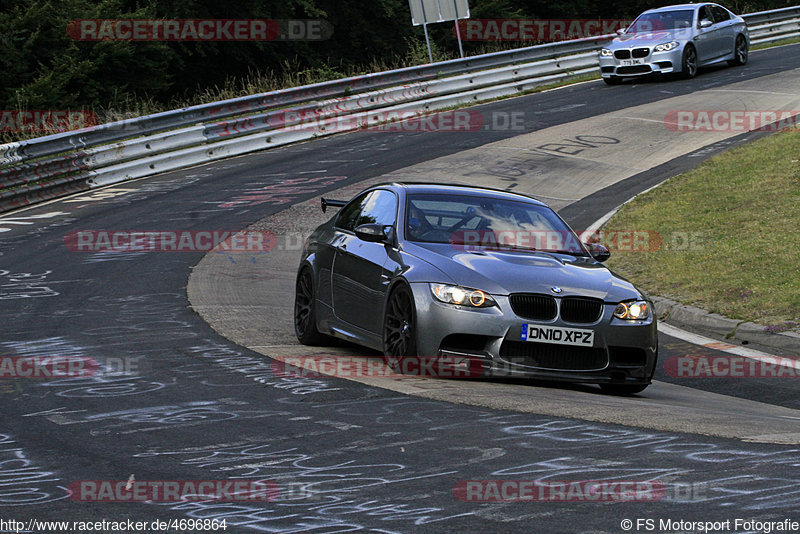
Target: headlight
462 296
605 52
634 310
666 47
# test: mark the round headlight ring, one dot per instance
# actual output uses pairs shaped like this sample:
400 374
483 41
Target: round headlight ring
477 298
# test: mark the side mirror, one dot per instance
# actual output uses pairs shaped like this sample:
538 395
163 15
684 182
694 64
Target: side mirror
705 23
598 251
620 31
374 233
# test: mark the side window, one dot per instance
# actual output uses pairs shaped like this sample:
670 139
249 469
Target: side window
378 207
349 215
704 13
720 14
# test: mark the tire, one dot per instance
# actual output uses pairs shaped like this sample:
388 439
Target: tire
612 80
689 62
740 52
305 313
399 327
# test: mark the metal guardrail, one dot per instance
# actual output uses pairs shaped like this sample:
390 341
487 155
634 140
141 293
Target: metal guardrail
106 133
776 31
763 17
54 165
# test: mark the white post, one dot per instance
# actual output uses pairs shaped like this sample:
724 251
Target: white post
427 41
458 31
425 29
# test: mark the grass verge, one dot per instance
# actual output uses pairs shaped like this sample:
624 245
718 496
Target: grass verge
784 42
729 232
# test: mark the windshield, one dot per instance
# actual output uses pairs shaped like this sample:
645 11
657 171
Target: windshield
477 223
662 21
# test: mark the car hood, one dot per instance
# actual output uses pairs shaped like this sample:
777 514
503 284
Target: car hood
502 273
653 38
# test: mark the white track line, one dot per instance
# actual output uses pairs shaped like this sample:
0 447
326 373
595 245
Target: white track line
709 343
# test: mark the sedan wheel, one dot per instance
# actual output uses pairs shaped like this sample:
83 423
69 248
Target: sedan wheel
305 317
399 327
689 62
740 52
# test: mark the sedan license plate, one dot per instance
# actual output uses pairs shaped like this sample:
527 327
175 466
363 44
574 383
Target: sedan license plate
557 335
629 62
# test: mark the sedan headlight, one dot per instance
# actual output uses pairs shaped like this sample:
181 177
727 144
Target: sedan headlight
462 296
634 310
666 47
605 52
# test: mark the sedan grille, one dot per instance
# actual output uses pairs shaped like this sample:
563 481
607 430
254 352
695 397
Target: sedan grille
641 52
581 310
622 54
554 357
531 306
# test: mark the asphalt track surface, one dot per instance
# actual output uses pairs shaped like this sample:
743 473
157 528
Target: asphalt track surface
191 405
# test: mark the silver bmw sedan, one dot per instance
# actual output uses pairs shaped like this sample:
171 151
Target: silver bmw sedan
676 39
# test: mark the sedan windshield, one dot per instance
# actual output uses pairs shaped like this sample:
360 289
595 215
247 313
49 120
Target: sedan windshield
662 21
476 223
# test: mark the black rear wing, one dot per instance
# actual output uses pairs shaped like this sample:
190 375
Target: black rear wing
330 202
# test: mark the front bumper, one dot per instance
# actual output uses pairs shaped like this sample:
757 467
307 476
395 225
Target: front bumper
489 339
652 63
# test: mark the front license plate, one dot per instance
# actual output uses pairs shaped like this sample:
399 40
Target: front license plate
557 335
629 62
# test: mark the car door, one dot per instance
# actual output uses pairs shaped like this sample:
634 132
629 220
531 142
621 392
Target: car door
726 29
359 279
707 40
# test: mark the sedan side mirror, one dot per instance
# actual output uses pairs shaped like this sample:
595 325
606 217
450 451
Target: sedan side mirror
620 31
374 233
598 251
705 23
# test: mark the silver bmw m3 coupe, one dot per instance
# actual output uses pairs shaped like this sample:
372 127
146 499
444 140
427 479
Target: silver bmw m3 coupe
676 39
477 277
